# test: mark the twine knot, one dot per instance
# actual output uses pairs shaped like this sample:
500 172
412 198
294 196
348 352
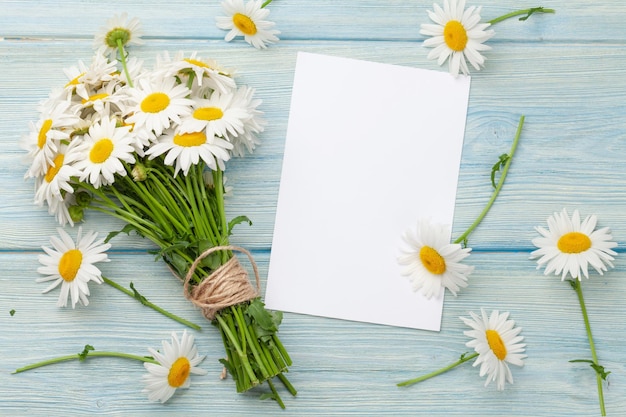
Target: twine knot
226 286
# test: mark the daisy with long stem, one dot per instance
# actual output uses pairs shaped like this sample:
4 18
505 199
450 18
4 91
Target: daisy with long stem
567 248
458 36
168 370
496 342
431 262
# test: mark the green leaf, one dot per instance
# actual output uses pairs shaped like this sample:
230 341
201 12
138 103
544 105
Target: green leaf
137 295
229 367
237 220
83 355
12 312
531 11
596 367
502 160
126 229
262 317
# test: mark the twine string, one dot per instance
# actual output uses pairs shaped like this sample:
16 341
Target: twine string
226 286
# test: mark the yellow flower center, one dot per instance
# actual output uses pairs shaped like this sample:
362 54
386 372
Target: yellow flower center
189 140
244 24
95 97
432 261
53 170
179 372
496 344
455 35
70 264
101 151
43 133
75 81
196 63
574 242
155 102
208 113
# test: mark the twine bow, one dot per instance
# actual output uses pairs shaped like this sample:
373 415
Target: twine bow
226 286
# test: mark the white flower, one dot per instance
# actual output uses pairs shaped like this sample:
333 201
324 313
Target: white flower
158 103
432 263
128 32
457 35
81 78
102 152
72 265
247 20
186 149
497 342
569 246
206 73
177 361
253 125
57 178
43 141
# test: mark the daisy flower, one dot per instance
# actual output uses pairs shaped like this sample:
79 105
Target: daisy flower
43 141
569 246
457 36
118 28
177 361
206 72
158 103
102 152
72 265
57 178
247 20
432 263
186 149
497 342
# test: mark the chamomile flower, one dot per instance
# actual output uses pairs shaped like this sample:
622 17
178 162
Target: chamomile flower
207 73
186 149
247 20
177 362
57 178
156 104
119 29
102 152
457 36
569 246
432 263
43 141
72 265
498 343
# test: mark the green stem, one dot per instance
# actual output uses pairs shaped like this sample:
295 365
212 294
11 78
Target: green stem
80 357
463 359
276 396
120 48
505 171
147 303
265 3
527 12
233 340
292 390
575 283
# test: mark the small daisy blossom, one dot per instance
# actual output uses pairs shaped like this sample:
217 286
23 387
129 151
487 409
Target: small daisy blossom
102 152
457 35
158 103
128 32
206 73
432 263
57 178
177 361
569 246
186 149
247 20
72 265
497 342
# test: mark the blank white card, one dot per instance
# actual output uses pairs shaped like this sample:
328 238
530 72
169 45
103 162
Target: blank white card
371 148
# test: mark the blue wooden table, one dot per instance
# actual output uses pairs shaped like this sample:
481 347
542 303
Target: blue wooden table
564 72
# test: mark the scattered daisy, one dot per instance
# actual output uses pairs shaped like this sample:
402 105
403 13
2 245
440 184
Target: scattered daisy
247 20
432 263
569 246
119 28
186 149
498 343
177 361
102 152
457 36
72 265
157 104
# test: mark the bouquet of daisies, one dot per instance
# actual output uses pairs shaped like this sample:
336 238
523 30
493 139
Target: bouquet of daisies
149 147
